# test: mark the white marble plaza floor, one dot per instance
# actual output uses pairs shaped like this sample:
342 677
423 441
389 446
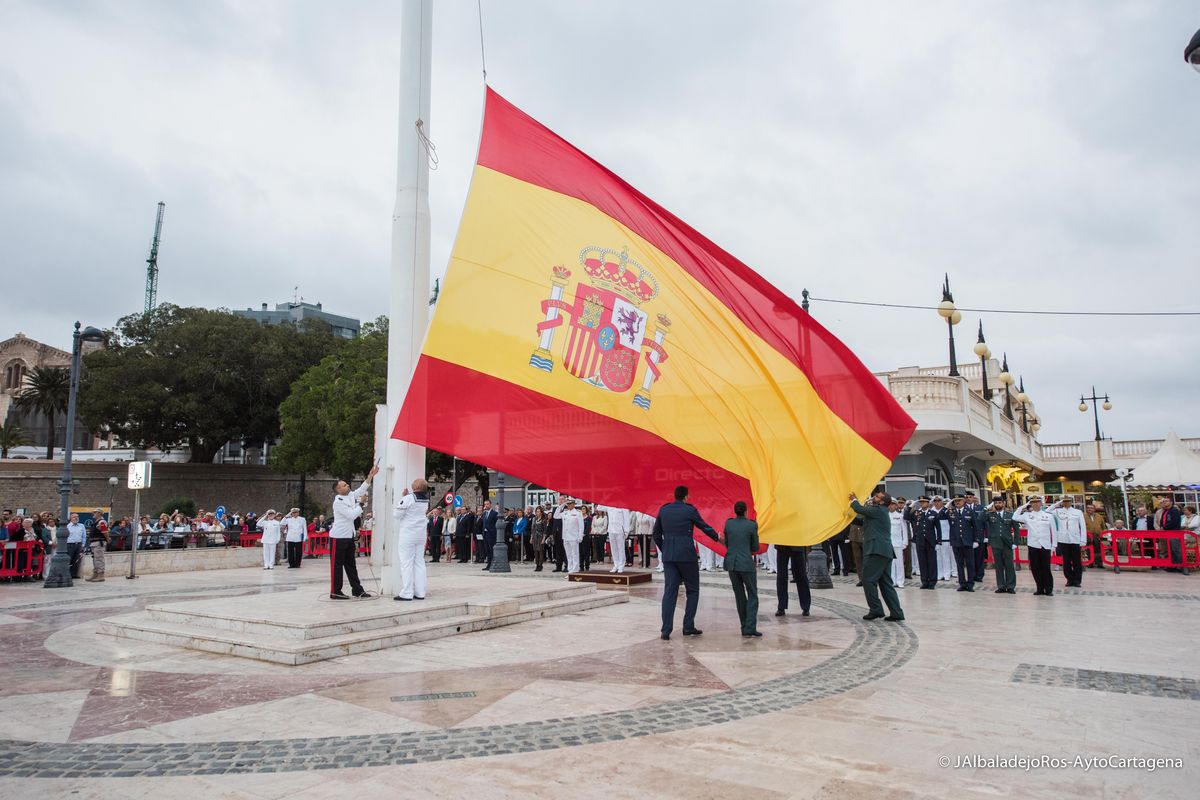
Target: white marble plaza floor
593 704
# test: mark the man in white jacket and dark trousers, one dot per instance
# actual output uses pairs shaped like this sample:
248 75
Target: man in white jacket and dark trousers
411 516
1071 533
295 530
269 523
1042 538
346 509
572 533
618 530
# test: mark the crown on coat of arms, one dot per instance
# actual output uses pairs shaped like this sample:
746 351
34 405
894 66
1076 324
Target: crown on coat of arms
561 272
616 271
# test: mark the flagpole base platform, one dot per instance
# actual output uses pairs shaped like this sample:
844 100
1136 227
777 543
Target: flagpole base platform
612 580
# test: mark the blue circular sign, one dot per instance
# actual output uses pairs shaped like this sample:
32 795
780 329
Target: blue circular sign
607 338
458 501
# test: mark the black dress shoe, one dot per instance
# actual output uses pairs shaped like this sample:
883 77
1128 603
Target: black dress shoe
664 636
893 618
858 584
1035 594
780 612
398 597
338 596
422 597
872 616
693 632
752 633
1001 590
363 595
804 613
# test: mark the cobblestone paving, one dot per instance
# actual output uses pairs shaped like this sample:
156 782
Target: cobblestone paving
1101 681
878 649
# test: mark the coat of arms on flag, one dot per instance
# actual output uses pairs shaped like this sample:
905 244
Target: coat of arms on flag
608 326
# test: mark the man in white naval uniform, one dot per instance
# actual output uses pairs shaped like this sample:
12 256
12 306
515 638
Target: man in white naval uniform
1071 535
945 552
346 509
411 518
269 523
572 533
1041 538
618 530
295 529
899 542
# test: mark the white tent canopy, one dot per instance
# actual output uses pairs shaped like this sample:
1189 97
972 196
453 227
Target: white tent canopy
1172 465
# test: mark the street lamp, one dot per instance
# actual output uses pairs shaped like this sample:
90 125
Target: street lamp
1095 399
1191 54
59 575
948 312
1006 378
112 496
1023 405
984 353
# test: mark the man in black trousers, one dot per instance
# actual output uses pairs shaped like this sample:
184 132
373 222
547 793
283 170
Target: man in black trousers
463 531
487 525
673 536
797 559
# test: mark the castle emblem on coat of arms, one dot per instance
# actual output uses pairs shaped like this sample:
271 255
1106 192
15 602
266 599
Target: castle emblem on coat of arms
608 332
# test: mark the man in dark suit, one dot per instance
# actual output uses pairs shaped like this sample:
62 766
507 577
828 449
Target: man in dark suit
972 505
673 536
487 523
877 557
797 559
463 533
741 543
962 539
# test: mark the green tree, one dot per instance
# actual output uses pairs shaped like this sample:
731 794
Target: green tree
46 392
11 436
328 419
197 377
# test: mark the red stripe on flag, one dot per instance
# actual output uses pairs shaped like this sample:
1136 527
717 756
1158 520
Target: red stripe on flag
519 146
558 445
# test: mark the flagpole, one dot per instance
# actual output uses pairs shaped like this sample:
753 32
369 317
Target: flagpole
400 462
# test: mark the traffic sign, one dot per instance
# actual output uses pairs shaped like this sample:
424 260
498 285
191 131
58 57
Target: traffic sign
448 499
458 501
220 512
139 475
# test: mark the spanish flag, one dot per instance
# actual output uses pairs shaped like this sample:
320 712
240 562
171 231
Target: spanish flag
589 341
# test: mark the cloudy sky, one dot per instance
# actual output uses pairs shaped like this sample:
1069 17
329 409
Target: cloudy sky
1045 155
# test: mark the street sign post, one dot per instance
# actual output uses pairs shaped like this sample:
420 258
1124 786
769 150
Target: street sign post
139 478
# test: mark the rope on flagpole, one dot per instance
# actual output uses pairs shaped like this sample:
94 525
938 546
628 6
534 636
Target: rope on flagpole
482 53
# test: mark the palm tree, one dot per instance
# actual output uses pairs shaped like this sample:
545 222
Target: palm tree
11 436
46 391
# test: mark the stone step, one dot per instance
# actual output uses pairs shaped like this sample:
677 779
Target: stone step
292 650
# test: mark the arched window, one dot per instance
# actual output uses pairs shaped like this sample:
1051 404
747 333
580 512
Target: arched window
976 485
937 480
14 375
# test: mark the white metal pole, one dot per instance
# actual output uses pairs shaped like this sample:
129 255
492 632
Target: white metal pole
408 314
137 526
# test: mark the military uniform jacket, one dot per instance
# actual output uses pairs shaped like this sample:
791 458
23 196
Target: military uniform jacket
673 531
962 527
741 542
925 525
877 530
1000 526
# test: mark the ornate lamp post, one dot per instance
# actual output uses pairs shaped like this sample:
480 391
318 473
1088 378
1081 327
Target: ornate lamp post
952 316
59 575
984 353
1023 405
1006 378
1083 401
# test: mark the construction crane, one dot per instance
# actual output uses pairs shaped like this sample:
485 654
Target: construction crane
152 263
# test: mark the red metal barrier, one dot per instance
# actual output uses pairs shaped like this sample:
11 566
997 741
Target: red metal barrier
1149 549
317 544
364 543
1085 552
251 539
21 560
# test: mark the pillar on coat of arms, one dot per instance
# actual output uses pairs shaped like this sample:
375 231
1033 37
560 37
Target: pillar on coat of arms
542 358
653 358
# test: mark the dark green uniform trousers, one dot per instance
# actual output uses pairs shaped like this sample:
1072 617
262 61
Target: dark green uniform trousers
745 593
1002 556
877 579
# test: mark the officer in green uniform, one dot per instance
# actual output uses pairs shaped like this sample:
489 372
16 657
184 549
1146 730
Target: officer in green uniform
741 543
877 557
1001 531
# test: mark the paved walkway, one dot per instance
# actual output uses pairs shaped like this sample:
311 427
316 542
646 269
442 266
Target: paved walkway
594 704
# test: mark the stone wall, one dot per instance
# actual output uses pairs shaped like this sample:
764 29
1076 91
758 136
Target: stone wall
32 484
150 562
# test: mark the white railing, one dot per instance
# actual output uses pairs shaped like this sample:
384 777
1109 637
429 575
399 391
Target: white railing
980 407
1061 452
928 393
